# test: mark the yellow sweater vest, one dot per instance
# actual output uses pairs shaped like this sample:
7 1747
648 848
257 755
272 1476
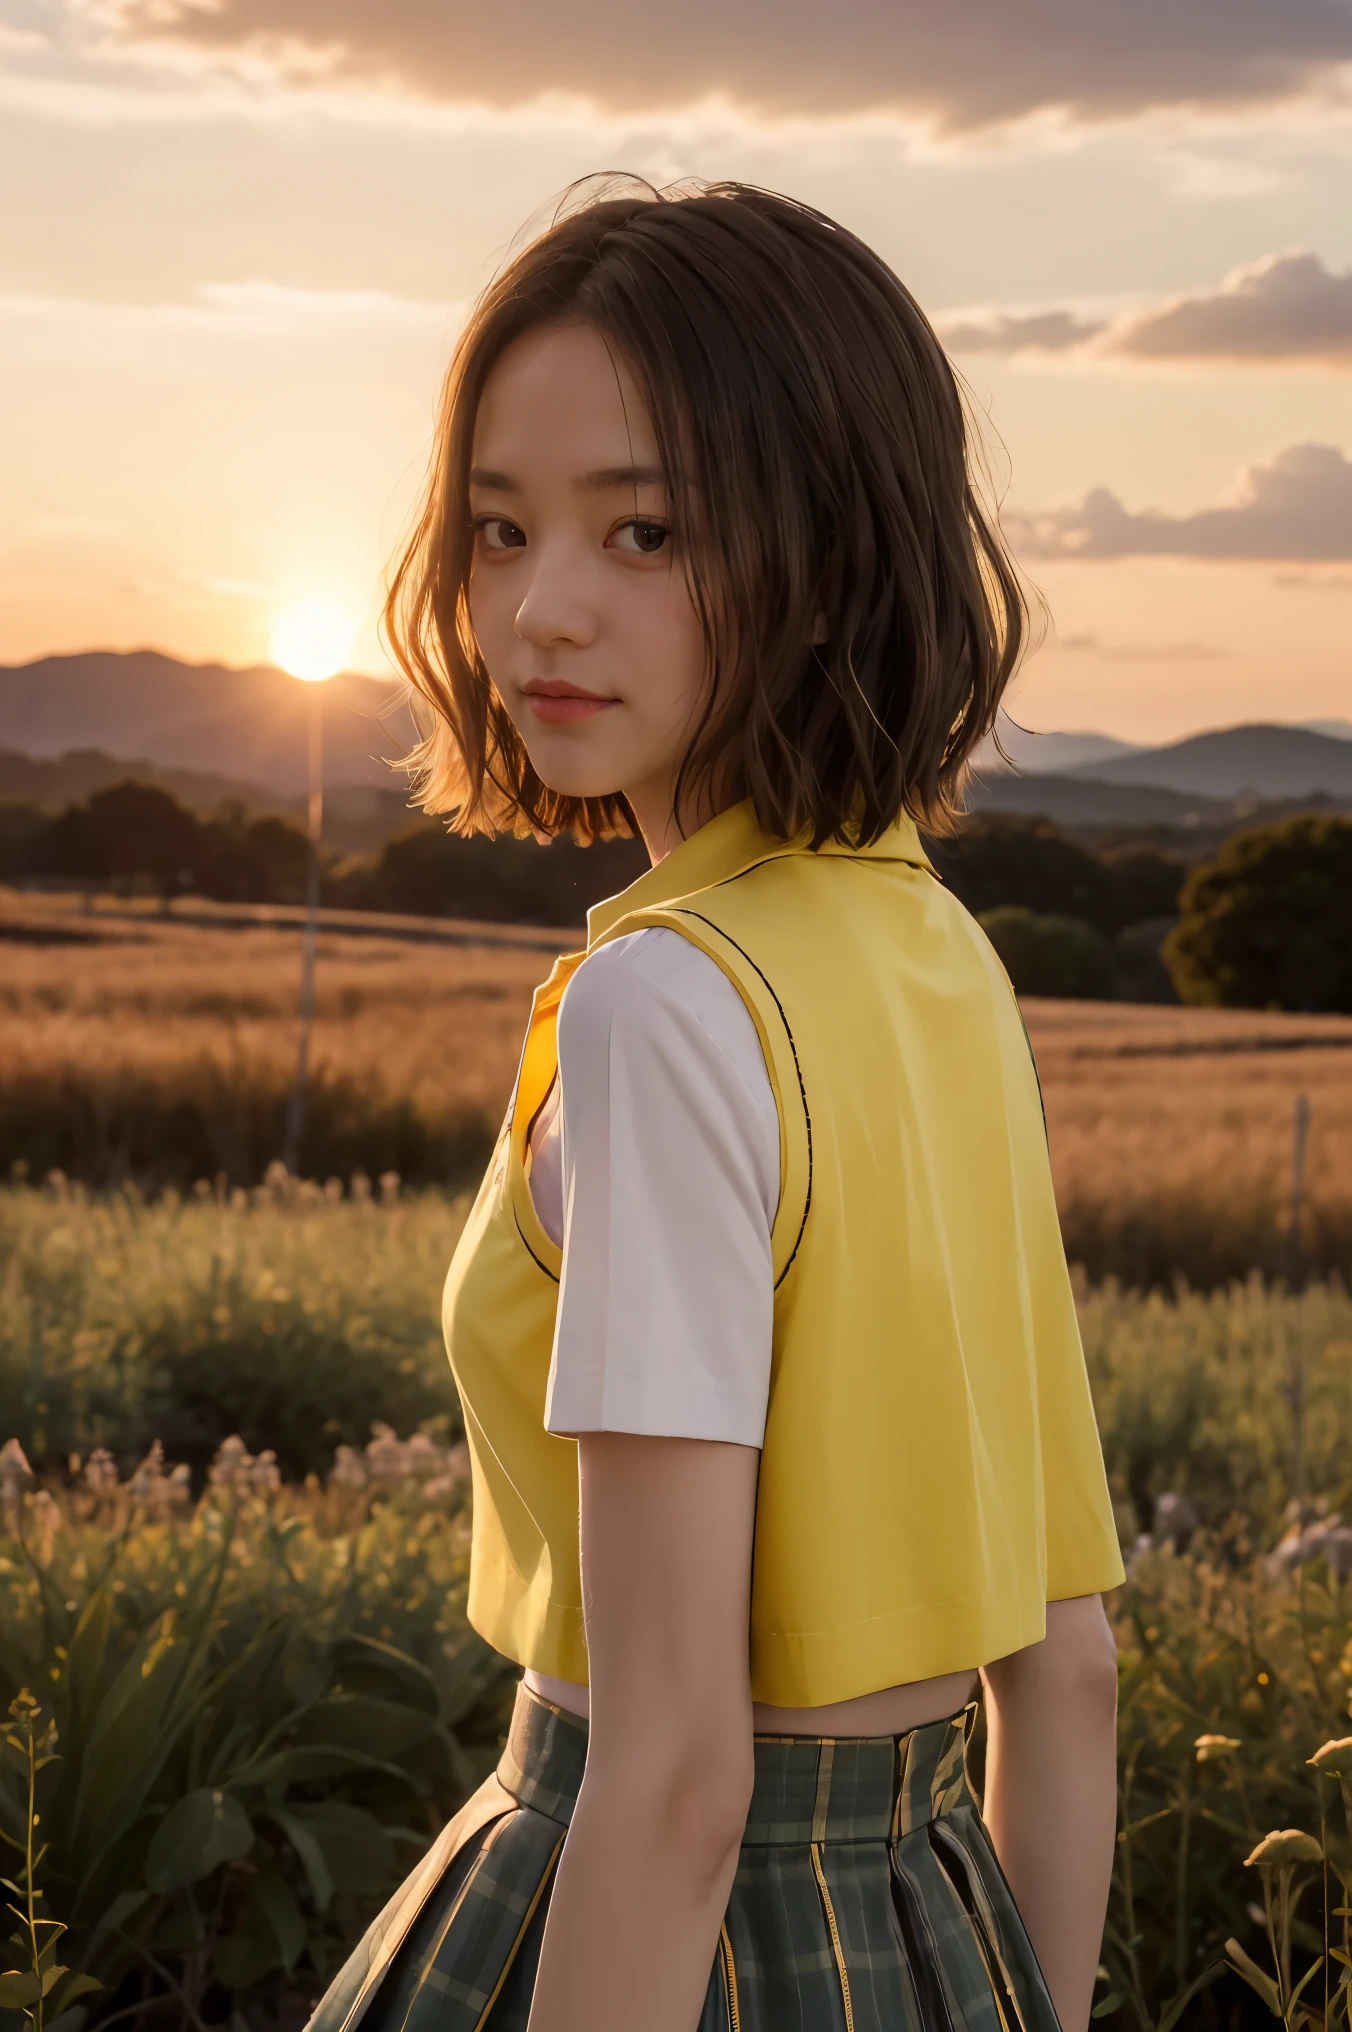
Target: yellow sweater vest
931 1475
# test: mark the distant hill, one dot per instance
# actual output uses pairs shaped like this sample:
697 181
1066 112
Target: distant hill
357 816
57 780
71 724
1078 800
243 726
1045 754
1251 761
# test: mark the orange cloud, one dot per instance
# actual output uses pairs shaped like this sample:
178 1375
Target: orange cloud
1297 509
969 65
1286 307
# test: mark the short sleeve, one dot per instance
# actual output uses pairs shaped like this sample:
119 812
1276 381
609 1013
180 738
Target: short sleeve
670 1182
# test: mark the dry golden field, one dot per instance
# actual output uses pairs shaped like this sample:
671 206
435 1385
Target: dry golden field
164 1051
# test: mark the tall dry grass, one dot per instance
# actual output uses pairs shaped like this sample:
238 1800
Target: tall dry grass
1172 1141
164 1053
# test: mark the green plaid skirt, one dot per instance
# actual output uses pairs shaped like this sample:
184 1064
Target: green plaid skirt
867 1898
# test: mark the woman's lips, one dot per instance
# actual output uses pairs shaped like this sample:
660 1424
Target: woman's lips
558 707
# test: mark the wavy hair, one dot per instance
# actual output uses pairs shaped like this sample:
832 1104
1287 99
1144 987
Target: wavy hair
861 614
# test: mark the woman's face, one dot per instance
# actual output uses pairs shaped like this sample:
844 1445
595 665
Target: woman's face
579 601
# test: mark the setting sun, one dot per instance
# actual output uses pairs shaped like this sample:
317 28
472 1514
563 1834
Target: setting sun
313 640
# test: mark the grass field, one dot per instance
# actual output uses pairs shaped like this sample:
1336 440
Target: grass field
164 1053
261 1623
254 1640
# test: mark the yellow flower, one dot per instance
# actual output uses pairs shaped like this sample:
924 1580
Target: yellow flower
1285 1845
1208 1747
1334 1760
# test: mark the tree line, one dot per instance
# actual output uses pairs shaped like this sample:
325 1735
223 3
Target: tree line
1265 923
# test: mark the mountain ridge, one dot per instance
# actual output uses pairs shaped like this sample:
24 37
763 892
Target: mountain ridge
248 728
1257 758
249 725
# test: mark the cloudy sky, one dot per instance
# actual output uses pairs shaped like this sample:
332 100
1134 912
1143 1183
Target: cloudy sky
239 235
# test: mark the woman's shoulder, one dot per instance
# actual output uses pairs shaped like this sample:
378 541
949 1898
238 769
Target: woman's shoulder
647 983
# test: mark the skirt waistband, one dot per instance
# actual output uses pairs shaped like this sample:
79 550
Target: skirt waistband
807 1788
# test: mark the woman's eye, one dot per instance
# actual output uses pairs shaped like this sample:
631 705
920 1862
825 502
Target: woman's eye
642 538
497 533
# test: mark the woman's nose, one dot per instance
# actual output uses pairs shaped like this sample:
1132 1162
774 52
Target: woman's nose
556 608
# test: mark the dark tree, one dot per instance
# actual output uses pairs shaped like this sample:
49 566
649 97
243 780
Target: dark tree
261 860
1061 956
129 829
431 873
999 860
1268 923
1147 883
24 829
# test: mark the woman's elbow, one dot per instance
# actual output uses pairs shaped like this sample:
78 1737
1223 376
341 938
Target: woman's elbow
1082 1652
1073 1669
708 1819
690 1795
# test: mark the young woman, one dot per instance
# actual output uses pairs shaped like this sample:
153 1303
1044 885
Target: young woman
779 1422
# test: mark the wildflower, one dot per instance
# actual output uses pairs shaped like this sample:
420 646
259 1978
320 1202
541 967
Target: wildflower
1334 1759
1285 1845
349 1469
235 1470
161 1493
1210 1747
15 1474
100 1472
44 1521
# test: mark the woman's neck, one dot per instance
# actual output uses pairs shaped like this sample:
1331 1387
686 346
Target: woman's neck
661 827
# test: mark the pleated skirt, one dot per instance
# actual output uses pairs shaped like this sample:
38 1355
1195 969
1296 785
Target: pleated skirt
867 1898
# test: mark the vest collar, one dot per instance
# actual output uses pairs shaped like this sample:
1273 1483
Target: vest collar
727 846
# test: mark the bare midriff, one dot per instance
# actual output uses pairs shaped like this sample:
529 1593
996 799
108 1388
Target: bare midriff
890 1712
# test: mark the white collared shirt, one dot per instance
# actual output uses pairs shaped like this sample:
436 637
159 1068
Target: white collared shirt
654 1165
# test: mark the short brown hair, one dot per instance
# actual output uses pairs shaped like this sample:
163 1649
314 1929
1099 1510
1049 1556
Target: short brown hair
861 614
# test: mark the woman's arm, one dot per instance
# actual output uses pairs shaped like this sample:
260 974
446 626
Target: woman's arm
648 1864
1051 1792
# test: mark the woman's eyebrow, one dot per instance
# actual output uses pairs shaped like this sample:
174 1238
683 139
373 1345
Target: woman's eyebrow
609 477
604 480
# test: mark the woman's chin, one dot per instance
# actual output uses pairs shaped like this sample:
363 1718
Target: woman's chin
563 768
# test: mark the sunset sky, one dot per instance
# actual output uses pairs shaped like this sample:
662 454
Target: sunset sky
239 236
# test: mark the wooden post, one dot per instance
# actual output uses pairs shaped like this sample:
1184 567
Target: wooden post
1296 1273
295 1107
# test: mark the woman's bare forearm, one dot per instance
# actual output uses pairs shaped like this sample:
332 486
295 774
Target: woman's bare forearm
642 1887
651 1853
1051 1793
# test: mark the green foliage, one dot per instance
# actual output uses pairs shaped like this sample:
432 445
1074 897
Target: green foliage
1234 1401
1234 1674
427 872
298 1320
266 1703
24 825
290 1318
132 831
998 861
126 830
136 832
1268 923
267 1699
1052 955
38 1985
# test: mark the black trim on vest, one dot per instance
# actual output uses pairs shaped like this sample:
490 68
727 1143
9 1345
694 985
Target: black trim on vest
528 1249
681 911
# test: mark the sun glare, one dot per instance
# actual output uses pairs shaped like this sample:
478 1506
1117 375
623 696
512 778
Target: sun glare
313 640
